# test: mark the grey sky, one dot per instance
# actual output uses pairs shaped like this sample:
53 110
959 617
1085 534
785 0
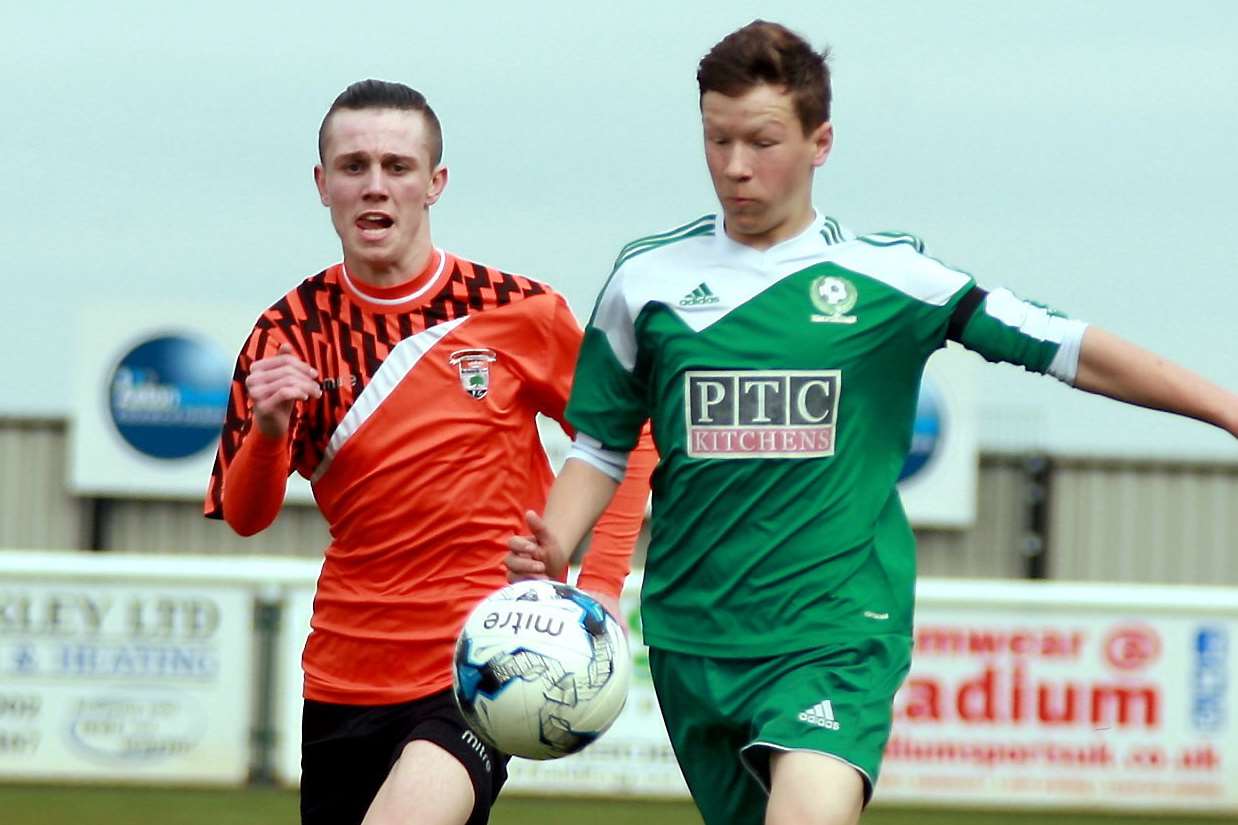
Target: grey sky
1080 153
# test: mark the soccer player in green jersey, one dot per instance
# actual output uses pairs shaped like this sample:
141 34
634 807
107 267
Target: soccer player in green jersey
779 358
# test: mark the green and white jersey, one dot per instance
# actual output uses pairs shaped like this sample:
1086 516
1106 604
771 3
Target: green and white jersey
781 385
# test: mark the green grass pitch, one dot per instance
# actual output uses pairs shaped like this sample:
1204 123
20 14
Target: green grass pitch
79 804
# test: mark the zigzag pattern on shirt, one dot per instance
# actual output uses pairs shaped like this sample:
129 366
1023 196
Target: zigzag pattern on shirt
347 344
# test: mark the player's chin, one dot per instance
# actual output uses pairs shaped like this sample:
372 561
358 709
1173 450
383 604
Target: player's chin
749 218
374 253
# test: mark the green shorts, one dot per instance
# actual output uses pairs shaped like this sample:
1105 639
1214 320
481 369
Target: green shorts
725 716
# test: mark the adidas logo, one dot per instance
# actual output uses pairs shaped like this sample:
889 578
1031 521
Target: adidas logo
698 297
821 715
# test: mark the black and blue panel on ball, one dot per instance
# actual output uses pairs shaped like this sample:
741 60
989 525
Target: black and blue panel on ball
475 679
592 614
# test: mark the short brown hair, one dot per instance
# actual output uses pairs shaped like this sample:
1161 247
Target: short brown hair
383 94
764 52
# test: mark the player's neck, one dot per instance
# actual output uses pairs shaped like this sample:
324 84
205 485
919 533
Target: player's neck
383 274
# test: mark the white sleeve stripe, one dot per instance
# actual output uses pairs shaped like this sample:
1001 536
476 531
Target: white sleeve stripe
588 449
1065 365
1037 322
1029 319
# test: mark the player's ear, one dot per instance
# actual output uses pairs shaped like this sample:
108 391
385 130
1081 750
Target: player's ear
320 181
823 140
438 182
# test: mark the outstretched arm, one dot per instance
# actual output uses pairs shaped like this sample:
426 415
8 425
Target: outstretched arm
1114 367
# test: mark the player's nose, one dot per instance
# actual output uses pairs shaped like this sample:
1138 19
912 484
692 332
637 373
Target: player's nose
375 185
738 165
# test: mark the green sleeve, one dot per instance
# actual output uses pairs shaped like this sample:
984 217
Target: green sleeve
1004 327
607 400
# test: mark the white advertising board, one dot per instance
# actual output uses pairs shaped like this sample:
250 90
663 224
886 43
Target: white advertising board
151 388
1018 702
1032 694
294 628
143 681
1028 694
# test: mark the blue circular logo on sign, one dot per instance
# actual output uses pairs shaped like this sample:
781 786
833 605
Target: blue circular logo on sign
168 396
927 430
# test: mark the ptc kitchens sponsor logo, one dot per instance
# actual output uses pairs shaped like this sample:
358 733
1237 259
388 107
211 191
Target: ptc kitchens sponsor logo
833 297
474 367
761 414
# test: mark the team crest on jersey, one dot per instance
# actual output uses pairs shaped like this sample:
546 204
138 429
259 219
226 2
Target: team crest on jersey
474 367
833 297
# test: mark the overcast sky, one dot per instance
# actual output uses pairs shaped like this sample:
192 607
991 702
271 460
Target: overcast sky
1080 153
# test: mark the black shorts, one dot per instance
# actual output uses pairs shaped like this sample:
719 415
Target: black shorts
348 750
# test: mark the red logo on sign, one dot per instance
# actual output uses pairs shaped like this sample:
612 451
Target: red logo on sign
1132 647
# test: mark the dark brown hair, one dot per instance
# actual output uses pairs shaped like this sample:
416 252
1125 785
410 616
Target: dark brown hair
764 52
383 94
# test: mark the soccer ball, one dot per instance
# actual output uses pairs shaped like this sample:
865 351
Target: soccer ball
541 669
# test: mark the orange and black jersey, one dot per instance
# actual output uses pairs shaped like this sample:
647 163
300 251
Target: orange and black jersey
346 335
423 454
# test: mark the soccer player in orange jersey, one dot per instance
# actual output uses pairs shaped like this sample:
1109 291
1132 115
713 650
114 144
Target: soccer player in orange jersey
403 383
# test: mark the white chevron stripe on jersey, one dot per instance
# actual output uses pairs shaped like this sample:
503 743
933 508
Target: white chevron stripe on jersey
736 274
394 369
900 266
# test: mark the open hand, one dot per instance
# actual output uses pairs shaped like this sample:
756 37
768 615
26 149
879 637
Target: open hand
532 556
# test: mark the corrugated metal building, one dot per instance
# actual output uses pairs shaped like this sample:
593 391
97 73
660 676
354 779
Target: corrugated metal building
1097 519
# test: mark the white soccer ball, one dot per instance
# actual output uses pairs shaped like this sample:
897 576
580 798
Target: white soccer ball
541 669
833 291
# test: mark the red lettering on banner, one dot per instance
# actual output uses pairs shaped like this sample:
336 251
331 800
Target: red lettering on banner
953 641
1203 758
976 700
1003 695
989 754
1132 647
1059 710
923 700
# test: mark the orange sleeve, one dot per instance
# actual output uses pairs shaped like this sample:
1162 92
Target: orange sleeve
254 482
263 342
550 372
609 559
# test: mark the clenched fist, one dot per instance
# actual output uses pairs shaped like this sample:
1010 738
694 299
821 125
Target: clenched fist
275 385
